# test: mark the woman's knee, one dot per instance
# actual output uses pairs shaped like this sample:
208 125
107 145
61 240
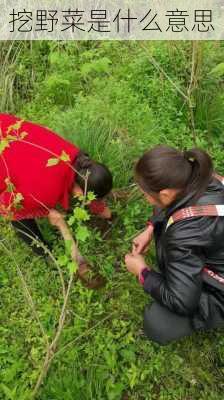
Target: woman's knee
153 327
163 326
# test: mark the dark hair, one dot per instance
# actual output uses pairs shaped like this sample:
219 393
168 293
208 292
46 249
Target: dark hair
100 179
164 167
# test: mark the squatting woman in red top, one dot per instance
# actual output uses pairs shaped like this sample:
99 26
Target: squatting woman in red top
40 170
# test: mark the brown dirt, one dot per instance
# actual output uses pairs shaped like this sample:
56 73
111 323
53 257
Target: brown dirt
89 278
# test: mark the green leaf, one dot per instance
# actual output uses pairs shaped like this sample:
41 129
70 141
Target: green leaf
10 394
63 260
101 65
114 391
82 233
10 186
18 198
18 206
11 138
17 201
52 161
218 71
72 266
64 156
71 221
81 214
3 145
91 196
128 355
81 197
16 126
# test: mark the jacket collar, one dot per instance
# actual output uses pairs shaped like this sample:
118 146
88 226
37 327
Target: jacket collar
213 195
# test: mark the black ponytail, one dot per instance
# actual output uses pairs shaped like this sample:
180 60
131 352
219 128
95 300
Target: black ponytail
164 167
100 179
202 171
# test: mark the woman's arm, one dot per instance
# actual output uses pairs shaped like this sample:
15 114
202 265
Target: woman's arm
57 219
179 286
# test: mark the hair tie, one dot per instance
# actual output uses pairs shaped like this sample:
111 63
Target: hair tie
190 159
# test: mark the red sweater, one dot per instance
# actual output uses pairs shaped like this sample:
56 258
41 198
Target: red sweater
24 170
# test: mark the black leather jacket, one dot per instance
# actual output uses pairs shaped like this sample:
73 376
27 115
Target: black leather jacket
182 251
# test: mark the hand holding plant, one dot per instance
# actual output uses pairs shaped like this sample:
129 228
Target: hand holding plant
142 241
106 213
135 264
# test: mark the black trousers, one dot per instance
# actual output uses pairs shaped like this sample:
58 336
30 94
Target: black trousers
28 230
163 326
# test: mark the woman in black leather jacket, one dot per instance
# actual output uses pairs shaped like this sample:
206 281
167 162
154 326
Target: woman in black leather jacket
184 302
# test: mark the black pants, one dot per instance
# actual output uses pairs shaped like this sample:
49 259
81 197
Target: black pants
163 326
28 230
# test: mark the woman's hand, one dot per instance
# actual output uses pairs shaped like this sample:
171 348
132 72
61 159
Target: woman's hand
142 241
106 213
135 264
99 207
56 218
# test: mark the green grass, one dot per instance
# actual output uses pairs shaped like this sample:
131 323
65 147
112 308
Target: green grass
109 99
